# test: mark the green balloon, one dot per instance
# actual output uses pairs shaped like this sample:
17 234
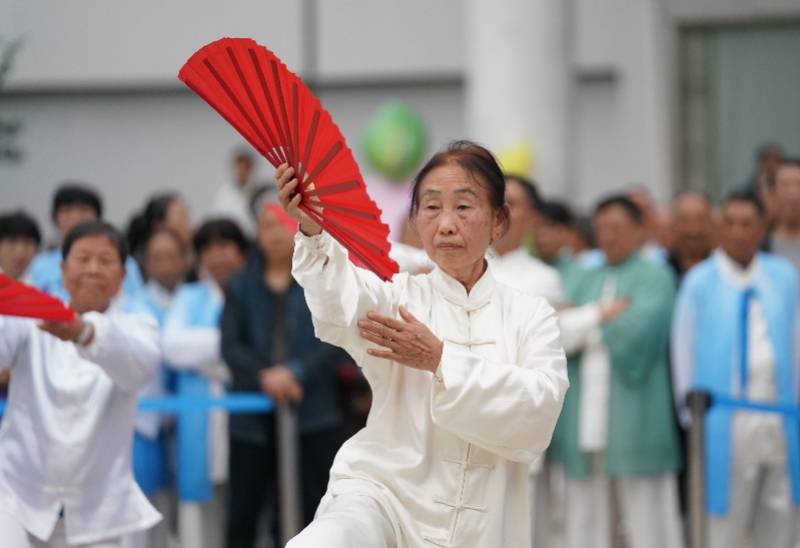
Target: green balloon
394 141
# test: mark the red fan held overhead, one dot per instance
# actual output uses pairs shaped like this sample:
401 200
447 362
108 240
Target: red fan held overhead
18 299
279 116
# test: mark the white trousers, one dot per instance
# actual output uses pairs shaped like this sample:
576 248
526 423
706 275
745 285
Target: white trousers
158 536
759 507
539 503
202 524
347 521
643 509
14 535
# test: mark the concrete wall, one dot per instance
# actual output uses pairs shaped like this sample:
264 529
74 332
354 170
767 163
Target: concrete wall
95 85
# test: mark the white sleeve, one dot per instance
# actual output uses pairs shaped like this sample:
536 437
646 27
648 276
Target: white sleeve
13 334
338 293
191 347
577 324
126 347
682 352
506 408
187 346
554 291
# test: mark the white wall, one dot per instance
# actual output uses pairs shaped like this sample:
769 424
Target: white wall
95 85
131 145
97 43
623 103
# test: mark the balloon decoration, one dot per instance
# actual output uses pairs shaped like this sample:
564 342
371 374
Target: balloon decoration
394 141
517 159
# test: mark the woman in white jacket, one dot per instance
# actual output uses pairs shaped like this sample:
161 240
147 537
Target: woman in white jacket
468 375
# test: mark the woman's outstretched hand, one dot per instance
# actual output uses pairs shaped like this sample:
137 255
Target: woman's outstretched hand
409 341
290 199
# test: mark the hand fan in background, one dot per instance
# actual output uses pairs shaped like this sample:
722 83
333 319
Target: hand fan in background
279 116
19 299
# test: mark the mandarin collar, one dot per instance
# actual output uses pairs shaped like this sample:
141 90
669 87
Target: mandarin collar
734 273
453 291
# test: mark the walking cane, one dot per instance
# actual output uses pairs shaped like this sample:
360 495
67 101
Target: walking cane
698 402
289 481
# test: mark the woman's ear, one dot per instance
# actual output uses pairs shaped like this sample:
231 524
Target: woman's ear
502 222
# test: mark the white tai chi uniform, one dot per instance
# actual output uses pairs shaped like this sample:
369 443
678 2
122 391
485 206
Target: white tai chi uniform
65 439
520 270
444 459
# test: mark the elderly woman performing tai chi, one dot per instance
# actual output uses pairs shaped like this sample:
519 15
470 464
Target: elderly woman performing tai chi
468 375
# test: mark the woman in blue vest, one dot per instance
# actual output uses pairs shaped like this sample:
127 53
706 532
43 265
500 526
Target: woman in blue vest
191 344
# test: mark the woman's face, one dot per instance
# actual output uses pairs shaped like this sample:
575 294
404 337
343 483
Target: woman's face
275 240
221 259
455 219
179 220
164 260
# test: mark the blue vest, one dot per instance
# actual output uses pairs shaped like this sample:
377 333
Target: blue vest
716 355
196 305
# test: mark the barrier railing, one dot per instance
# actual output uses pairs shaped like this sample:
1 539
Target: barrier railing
699 403
248 402
240 402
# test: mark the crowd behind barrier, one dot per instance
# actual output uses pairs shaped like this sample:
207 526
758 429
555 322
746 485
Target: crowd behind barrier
242 422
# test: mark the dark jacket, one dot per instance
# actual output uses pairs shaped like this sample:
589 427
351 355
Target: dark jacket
247 325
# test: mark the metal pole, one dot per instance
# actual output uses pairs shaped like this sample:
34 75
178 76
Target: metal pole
698 403
288 472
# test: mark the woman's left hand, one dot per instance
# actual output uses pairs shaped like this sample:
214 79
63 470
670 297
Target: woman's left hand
409 341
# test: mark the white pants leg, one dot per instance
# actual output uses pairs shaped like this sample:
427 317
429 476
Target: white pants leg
587 512
649 507
202 525
190 524
759 495
539 504
797 528
347 521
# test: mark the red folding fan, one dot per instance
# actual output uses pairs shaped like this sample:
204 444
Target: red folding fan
18 299
279 116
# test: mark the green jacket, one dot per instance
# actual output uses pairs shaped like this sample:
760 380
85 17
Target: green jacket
642 434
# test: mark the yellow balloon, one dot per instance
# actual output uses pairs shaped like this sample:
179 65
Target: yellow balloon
517 159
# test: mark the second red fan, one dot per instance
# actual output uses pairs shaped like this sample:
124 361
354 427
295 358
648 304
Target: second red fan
279 116
18 299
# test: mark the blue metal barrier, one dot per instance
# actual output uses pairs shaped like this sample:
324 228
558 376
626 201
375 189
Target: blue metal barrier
792 411
699 403
240 402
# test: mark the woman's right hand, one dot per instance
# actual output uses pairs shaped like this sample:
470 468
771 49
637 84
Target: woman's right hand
290 199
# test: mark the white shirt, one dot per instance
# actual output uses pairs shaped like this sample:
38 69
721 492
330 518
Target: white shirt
523 272
232 201
528 274
446 459
65 440
757 437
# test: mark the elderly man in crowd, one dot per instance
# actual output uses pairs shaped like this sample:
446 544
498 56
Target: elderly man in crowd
734 334
785 238
693 231
616 436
